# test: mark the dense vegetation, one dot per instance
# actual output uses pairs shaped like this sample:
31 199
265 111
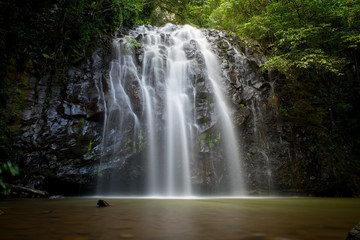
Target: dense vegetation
312 46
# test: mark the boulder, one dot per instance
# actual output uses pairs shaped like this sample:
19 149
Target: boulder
354 234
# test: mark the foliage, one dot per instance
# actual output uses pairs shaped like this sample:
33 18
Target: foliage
57 34
8 155
131 44
193 12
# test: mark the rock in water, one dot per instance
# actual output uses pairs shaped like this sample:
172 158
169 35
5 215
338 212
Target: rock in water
354 234
56 197
103 203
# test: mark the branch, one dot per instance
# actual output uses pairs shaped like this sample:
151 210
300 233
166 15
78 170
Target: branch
27 190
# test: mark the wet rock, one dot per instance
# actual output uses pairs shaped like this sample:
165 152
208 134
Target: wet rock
271 143
247 93
59 122
189 50
261 85
102 203
136 97
354 234
56 197
73 110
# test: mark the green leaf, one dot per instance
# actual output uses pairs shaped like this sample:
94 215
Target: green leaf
47 56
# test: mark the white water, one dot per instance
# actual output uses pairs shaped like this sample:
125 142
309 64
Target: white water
168 115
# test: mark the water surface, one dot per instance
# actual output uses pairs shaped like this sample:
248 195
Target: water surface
255 219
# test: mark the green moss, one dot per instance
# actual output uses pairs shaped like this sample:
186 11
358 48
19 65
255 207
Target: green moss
214 140
218 137
19 99
90 147
202 137
211 144
134 147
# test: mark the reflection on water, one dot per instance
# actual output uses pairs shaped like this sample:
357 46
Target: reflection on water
255 219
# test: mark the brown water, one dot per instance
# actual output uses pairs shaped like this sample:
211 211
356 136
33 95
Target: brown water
255 219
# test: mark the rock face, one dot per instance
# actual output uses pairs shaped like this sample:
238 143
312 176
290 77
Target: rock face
272 148
60 129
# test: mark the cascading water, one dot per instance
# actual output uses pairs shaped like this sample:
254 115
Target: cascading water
167 103
261 141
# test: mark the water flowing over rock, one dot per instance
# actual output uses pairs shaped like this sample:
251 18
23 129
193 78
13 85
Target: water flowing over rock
172 111
166 102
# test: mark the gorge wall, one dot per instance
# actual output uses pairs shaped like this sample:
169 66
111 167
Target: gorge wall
59 128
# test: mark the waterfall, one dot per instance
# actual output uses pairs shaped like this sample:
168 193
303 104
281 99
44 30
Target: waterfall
166 107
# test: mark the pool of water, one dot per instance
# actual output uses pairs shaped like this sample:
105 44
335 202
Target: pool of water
255 219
